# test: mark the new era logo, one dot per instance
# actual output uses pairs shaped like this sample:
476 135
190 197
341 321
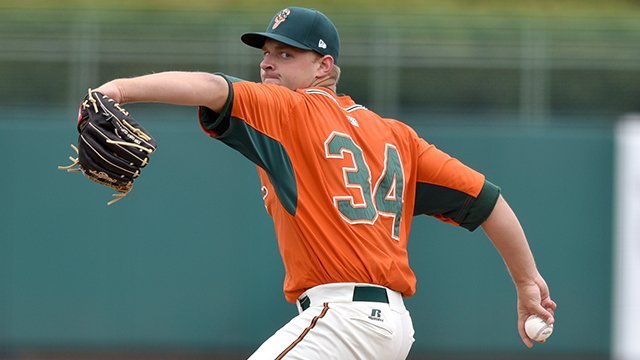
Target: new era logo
322 45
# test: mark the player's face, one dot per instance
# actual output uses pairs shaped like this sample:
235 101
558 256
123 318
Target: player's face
288 66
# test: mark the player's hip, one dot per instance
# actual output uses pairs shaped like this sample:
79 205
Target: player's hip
344 321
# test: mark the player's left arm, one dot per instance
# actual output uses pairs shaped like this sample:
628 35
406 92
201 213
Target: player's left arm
508 237
171 87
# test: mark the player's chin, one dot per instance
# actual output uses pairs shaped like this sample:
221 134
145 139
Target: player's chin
271 80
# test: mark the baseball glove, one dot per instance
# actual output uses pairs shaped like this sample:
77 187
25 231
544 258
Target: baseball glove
112 146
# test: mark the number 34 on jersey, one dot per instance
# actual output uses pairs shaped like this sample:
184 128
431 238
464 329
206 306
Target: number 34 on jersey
384 197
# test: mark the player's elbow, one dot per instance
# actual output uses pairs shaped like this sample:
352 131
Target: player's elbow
215 91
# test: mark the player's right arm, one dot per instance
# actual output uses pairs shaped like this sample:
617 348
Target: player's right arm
172 87
505 232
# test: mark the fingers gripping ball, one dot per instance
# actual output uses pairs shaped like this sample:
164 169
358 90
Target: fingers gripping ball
537 329
112 146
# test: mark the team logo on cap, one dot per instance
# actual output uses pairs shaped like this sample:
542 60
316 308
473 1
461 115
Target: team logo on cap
280 18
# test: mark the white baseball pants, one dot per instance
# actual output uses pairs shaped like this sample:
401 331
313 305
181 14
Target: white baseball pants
344 321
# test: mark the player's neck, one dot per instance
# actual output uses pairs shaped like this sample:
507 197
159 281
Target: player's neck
330 81
325 83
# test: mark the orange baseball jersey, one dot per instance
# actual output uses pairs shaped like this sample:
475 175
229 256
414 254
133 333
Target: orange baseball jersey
342 184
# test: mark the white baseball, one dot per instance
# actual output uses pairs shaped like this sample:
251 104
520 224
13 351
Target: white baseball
537 329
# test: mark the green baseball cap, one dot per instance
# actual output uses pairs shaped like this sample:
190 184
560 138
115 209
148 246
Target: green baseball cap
302 28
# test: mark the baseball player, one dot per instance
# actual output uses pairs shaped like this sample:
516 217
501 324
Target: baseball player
342 185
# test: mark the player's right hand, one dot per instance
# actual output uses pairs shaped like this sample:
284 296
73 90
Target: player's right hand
534 299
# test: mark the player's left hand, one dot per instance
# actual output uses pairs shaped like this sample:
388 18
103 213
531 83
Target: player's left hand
112 146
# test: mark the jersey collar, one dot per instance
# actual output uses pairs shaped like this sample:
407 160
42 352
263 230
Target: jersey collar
344 101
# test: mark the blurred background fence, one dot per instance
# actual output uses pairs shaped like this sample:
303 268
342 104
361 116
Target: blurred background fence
529 97
427 66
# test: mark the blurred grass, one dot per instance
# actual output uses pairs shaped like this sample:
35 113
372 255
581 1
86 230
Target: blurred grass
531 7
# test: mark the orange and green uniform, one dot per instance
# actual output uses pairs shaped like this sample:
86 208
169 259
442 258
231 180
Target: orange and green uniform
342 184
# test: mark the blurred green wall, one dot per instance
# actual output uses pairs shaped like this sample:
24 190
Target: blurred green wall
189 260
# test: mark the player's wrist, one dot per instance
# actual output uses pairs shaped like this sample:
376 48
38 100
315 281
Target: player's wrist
112 90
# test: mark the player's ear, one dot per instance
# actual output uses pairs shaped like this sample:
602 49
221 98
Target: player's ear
326 66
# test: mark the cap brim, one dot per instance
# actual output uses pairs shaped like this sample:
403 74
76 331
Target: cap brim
257 39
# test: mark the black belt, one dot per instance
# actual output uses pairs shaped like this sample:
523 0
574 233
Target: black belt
360 293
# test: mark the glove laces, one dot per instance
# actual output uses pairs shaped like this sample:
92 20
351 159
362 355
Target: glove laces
99 177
